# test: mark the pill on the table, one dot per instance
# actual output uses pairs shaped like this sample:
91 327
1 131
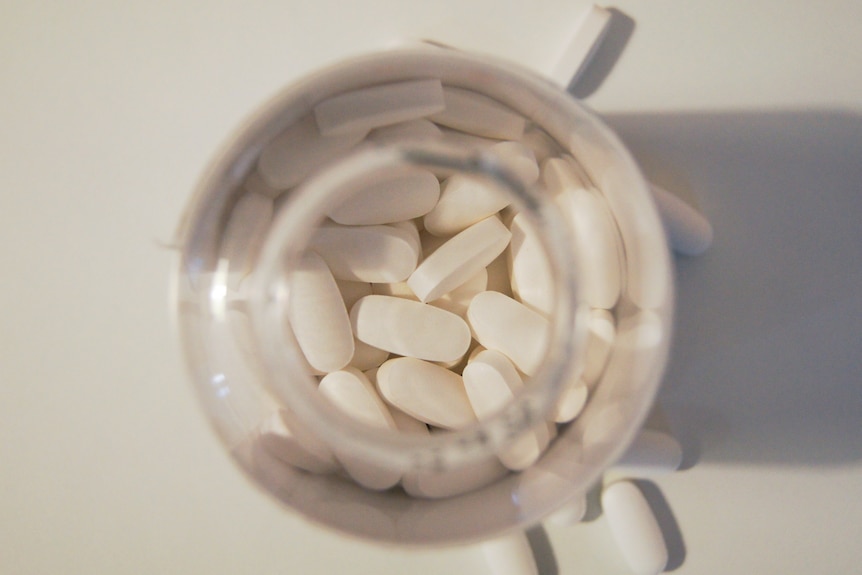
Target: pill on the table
542 145
571 401
352 393
560 174
510 555
458 300
508 326
519 159
412 130
368 108
653 453
464 200
352 291
634 528
244 235
688 232
576 55
366 356
498 274
597 242
530 272
318 316
367 253
439 484
459 259
255 184
389 200
410 328
570 513
428 392
600 341
475 113
295 446
300 151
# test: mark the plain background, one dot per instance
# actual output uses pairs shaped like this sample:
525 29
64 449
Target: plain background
109 112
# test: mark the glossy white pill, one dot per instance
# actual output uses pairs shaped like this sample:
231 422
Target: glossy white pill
295 446
688 232
586 38
477 114
459 259
367 253
318 316
653 453
508 326
244 235
510 555
439 484
428 392
634 528
530 272
368 108
412 130
598 245
410 328
301 150
389 200
464 200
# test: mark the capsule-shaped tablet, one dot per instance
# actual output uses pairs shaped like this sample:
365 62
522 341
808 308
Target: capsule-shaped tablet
295 446
389 200
368 108
689 233
571 402
459 259
510 327
451 482
410 131
531 278
589 31
510 555
634 528
300 151
491 382
478 114
597 242
367 253
318 316
653 453
464 200
428 392
410 328
244 235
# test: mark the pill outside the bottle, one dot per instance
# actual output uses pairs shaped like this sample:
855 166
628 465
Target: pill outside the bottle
318 316
428 392
634 528
368 108
653 453
410 328
367 253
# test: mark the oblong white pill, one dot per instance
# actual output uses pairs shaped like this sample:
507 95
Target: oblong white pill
586 38
428 392
301 150
634 528
436 485
368 108
653 453
244 235
491 382
510 327
519 159
390 200
318 316
404 422
464 200
600 341
458 300
477 114
532 281
689 233
410 328
412 130
571 402
367 253
459 259
598 245
352 393
510 555
295 446
525 449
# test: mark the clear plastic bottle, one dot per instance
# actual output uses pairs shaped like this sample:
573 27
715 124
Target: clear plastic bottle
230 298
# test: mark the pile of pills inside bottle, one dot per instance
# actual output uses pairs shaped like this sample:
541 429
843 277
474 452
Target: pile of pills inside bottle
423 302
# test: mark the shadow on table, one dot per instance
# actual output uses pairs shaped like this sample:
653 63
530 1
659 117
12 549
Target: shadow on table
766 366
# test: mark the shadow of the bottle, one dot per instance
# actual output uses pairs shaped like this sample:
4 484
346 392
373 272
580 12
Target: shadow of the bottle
766 365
